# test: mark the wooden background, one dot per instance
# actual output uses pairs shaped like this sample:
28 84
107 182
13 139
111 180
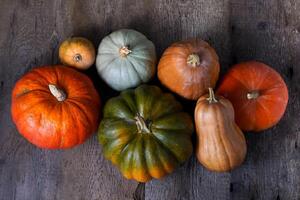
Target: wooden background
266 30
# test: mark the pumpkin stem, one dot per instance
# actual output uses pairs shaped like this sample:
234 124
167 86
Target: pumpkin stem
253 95
141 124
77 57
124 51
193 59
211 98
59 94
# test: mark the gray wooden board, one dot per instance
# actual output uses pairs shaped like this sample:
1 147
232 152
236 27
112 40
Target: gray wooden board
30 33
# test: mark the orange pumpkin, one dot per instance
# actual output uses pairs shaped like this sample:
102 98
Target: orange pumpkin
188 68
55 107
77 52
258 93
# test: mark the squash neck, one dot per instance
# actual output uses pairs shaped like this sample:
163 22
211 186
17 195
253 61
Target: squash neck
211 97
193 60
142 125
59 94
124 51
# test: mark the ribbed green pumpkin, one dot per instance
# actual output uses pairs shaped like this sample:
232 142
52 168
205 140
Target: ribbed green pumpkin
145 133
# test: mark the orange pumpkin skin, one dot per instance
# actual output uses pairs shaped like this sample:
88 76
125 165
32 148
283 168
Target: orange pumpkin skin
77 52
188 68
258 93
47 122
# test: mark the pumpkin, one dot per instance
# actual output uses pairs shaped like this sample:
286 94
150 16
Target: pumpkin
126 58
258 93
221 145
77 52
145 133
188 68
55 107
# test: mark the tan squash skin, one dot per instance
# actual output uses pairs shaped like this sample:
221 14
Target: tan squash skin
77 52
221 145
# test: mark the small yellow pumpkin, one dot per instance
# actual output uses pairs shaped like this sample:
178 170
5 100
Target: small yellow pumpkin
77 52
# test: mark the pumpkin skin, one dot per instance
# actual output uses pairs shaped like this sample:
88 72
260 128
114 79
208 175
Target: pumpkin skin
145 133
258 93
55 122
77 52
188 68
126 58
221 145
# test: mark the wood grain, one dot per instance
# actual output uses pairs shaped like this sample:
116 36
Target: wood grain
272 168
34 30
30 33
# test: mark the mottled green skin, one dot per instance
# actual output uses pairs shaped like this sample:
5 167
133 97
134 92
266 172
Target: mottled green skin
142 156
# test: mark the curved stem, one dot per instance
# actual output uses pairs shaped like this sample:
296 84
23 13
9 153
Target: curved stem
59 94
77 57
211 98
141 124
193 59
124 51
252 95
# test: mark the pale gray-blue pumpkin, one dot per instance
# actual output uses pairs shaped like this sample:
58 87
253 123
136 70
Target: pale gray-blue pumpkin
126 58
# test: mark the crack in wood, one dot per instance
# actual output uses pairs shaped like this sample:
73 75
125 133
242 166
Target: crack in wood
139 193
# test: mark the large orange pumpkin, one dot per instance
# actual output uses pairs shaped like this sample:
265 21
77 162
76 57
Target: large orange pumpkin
55 107
258 93
189 67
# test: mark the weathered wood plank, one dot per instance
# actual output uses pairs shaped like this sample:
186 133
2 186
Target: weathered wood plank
268 31
208 20
30 32
271 170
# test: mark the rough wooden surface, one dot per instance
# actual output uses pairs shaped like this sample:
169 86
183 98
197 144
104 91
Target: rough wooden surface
30 32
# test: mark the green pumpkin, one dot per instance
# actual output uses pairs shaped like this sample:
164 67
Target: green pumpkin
145 133
126 58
